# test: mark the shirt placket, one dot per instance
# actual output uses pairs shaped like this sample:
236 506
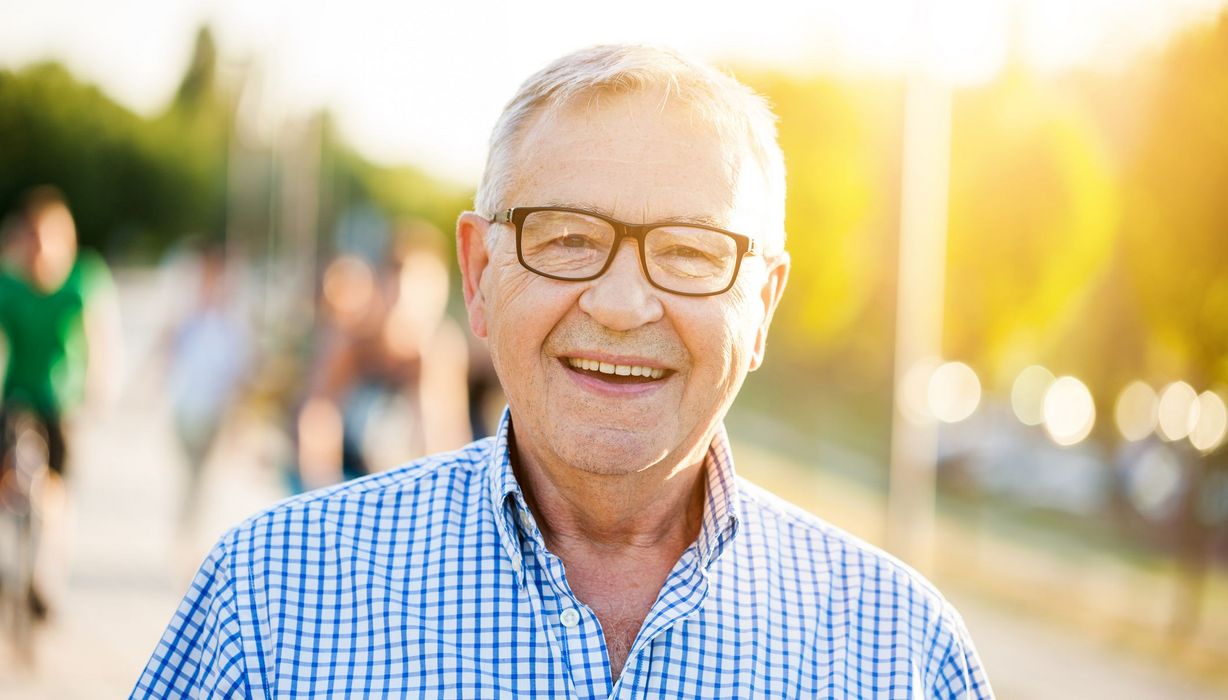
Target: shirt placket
683 594
571 626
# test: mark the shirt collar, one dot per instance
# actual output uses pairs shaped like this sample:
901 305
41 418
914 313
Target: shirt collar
506 498
514 521
721 507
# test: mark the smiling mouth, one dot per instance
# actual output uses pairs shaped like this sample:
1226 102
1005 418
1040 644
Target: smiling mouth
616 374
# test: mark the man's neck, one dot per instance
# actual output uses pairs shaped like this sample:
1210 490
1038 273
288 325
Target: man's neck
618 535
658 509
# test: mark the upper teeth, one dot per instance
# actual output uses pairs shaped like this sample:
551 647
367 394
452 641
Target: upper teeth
621 370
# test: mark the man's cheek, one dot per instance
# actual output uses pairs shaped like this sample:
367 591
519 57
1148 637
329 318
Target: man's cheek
517 288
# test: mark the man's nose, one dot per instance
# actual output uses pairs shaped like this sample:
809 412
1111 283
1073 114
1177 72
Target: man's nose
622 299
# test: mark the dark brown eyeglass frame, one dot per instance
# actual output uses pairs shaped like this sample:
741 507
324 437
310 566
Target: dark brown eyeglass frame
517 215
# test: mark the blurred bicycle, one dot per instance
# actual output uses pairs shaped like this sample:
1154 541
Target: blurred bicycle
59 320
23 471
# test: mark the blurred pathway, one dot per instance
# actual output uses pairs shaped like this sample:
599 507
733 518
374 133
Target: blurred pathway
129 567
128 571
1027 657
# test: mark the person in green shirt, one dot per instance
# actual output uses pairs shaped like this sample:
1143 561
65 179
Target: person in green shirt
58 324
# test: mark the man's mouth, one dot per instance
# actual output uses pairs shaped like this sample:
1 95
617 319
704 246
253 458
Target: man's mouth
616 374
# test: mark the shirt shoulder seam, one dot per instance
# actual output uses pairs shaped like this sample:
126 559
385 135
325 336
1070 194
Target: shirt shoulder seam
471 458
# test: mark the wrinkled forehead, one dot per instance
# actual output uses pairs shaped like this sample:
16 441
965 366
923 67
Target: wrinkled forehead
640 156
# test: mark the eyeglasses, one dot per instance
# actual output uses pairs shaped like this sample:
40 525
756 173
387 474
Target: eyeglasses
577 245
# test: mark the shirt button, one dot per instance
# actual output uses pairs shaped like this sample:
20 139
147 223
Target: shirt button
569 617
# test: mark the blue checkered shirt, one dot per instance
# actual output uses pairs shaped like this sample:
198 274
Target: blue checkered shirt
433 580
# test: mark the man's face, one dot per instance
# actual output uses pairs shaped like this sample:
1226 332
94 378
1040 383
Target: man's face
639 159
49 246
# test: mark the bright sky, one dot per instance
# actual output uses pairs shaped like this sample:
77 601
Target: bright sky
423 81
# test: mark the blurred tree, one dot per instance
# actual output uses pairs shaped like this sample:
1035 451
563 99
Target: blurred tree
198 88
137 184
1032 223
1176 215
196 127
830 362
133 184
1175 257
837 143
54 129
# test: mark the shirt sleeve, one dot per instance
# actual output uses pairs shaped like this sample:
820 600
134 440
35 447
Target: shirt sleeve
201 653
956 670
96 277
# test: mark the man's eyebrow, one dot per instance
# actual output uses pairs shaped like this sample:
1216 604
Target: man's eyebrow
701 219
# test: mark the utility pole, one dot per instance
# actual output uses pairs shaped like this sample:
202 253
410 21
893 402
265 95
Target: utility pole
919 308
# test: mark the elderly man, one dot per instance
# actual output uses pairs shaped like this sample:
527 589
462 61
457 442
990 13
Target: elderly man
624 261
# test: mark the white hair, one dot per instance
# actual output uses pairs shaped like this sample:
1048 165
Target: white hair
740 115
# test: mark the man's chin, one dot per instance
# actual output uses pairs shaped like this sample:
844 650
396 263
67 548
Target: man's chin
611 452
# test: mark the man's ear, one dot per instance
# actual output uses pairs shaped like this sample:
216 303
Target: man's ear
769 294
473 258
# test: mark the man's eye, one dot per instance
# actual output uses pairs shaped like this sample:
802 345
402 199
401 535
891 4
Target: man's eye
687 253
574 240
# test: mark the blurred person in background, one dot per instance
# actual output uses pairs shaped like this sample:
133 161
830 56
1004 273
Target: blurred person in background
59 315
209 353
601 544
390 380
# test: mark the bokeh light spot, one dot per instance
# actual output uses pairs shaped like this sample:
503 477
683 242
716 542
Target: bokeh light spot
1028 394
1069 411
1136 411
954 392
1176 403
1209 422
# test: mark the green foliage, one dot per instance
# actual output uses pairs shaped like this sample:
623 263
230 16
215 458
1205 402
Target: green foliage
1088 230
138 184
198 90
1176 224
196 129
134 184
840 146
830 357
54 129
1033 215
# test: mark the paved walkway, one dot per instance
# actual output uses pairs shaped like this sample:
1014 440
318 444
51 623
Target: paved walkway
129 568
